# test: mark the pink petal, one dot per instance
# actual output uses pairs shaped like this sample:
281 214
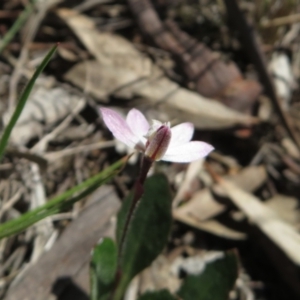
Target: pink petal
181 134
137 123
188 152
119 128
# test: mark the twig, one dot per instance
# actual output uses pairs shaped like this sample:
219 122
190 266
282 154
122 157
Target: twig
7 205
280 21
52 156
13 261
42 144
38 198
45 227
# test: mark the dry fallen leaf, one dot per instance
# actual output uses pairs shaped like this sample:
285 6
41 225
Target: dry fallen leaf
185 186
281 70
286 207
211 226
280 232
249 179
159 276
121 70
203 206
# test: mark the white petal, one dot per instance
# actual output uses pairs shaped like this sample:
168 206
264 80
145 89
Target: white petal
187 152
181 134
137 123
119 128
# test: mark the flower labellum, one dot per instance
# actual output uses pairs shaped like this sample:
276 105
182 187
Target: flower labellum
159 141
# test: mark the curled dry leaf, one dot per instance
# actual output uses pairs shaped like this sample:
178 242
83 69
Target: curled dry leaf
280 232
121 70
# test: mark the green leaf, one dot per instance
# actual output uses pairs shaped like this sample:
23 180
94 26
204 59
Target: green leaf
216 281
61 202
159 295
18 110
103 269
148 231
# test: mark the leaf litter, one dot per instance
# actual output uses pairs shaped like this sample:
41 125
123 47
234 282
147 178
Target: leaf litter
244 196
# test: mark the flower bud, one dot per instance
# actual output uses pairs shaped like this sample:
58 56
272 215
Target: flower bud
158 143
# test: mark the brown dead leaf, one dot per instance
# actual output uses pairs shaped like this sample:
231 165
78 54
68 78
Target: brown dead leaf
203 206
286 207
159 276
249 179
185 187
281 70
280 232
123 71
211 226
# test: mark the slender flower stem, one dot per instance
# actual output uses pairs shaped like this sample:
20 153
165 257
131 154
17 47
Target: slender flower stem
137 195
146 165
138 192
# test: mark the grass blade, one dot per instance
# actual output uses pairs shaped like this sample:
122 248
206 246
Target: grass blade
22 102
61 202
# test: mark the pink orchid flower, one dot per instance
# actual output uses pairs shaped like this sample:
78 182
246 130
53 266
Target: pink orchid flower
159 141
